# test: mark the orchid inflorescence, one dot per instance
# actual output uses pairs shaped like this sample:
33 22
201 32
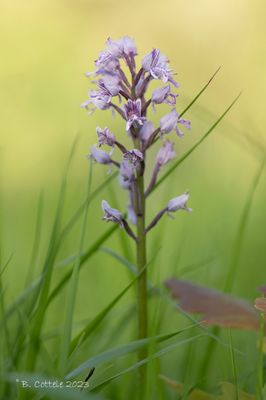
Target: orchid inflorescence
130 88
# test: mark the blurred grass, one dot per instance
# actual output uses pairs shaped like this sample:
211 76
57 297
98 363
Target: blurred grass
45 49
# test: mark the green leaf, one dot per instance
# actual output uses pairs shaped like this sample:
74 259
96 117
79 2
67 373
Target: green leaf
91 326
242 227
154 356
72 293
200 93
86 255
41 296
128 348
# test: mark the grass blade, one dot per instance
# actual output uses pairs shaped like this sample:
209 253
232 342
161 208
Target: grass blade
242 227
128 348
92 250
85 332
233 362
196 145
36 241
70 305
131 267
42 295
200 92
234 259
154 356
70 224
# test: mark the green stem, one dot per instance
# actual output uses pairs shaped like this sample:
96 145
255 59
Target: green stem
142 308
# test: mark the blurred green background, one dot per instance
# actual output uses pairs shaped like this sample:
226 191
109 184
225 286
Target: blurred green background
46 48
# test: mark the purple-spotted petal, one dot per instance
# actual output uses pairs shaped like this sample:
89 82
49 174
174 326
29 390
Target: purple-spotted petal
134 156
132 112
156 64
105 136
185 122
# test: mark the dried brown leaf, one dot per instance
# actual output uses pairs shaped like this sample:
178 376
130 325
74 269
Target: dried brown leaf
260 304
216 307
227 390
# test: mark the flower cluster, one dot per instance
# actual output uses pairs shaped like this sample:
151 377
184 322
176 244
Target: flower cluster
123 88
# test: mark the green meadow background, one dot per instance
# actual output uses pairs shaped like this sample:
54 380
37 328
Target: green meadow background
46 48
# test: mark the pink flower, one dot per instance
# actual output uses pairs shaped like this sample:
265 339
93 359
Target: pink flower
133 113
157 65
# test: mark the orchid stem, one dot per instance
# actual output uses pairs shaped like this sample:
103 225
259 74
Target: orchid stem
142 306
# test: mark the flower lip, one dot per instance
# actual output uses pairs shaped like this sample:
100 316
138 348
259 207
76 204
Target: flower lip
163 95
105 63
98 99
134 156
105 136
156 64
133 113
170 121
111 214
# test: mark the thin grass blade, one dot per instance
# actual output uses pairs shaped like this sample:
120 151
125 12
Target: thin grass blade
137 365
128 348
196 145
200 92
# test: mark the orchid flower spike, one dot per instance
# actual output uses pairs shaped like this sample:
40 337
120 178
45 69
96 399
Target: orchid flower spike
121 88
